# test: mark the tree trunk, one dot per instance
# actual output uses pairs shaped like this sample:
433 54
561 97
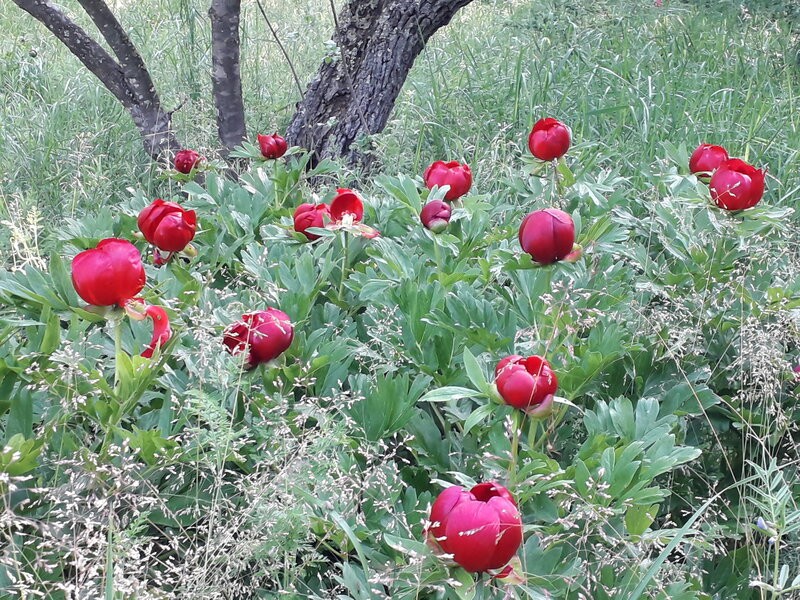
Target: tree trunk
225 72
352 97
128 79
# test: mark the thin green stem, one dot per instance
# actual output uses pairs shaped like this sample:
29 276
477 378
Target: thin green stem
480 588
117 351
516 425
344 266
776 569
437 253
554 191
533 430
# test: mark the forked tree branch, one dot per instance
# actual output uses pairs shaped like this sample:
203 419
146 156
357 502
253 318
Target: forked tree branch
128 80
136 74
89 52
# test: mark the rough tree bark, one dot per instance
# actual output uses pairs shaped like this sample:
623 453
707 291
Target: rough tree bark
349 98
126 77
225 75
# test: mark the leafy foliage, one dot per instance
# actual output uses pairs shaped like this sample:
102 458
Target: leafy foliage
667 470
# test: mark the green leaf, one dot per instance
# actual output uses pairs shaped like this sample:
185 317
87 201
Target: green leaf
51 337
405 546
567 176
475 372
19 456
477 415
464 584
639 518
339 520
448 393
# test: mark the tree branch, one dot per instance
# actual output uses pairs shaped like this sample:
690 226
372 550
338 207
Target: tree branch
226 77
131 84
89 52
136 73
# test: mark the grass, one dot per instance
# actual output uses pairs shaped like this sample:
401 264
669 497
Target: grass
625 75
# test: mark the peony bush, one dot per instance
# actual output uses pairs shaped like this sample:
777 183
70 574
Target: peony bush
406 390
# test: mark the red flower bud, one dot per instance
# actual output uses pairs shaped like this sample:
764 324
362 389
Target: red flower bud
480 528
706 159
346 202
736 185
167 225
272 146
526 383
186 160
549 139
110 274
267 334
161 330
547 235
455 174
310 215
435 215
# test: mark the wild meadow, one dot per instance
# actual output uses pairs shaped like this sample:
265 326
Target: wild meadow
562 363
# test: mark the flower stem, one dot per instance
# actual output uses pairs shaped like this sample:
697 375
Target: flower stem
516 425
344 266
554 180
537 435
480 588
437 253
117 351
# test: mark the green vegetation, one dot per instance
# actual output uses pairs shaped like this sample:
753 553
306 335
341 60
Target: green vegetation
670 474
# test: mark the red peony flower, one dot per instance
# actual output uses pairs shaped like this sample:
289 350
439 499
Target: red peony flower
161 329
547 235
549 139
167 225
455 174
528 384
435 216
266 334
346 211
736 185
186 160
481 528
272 146
110 274
310 215
706 159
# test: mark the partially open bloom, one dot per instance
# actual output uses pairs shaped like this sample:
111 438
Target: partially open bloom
481 528
310 215
706 159
346 205
161 329
346 211
547 235
265 334
167 225
109 274
455 174
736 185
186 160
435 215
549 139
528 384
272 146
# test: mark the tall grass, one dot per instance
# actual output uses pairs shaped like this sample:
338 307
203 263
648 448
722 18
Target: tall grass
626 75
634 81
